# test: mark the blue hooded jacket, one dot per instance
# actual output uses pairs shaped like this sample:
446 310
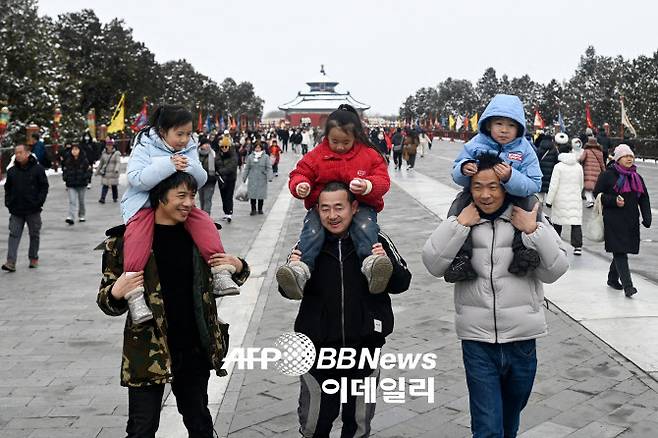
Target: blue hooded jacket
150 162
519 153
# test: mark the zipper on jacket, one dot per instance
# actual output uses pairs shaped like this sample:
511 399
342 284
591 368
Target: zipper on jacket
493 292
342 290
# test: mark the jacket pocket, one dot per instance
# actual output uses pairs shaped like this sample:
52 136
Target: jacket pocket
144 356
312 320
377 318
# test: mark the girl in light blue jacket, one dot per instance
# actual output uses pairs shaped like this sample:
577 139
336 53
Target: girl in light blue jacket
159 150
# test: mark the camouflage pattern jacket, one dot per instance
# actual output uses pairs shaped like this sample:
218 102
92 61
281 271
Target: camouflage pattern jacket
146 359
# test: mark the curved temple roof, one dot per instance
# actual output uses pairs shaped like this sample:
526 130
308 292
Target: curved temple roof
322 96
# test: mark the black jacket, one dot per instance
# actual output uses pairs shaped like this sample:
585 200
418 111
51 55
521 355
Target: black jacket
76 172
296 138
622 225
547 154
226 165
338 309
26 188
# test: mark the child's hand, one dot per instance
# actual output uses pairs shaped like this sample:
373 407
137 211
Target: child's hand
125 284
525 221
303 189
378 249
180 162
225 259
469 169
503 171
469 216
358 186
295 256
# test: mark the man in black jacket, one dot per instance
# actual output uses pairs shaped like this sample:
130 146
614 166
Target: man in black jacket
26 189
338 311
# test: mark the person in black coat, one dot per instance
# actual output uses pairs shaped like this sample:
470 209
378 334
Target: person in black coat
26 188
76 172
226 168
547 153
338 311
623 196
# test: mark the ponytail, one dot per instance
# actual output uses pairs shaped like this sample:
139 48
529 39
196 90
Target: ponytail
164 118
347 119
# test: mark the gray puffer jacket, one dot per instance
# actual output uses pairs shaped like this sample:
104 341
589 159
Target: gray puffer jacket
497 307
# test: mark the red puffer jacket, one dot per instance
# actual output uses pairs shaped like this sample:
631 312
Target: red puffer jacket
321 166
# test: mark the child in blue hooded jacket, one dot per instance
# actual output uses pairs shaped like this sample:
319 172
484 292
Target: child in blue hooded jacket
501 132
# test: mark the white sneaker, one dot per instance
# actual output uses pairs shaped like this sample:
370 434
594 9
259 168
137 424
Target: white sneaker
223 284
378 270
577 251
292 278
81 219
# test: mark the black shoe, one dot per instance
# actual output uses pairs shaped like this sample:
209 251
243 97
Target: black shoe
69 221
525 260
260 212
460 269
629 291
252 213
228 219
114 200
101 201
615 284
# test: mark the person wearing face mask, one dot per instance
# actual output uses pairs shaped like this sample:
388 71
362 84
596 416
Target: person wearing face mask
226 168
258 172
623 196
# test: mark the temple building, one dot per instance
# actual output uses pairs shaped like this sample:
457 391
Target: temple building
313 107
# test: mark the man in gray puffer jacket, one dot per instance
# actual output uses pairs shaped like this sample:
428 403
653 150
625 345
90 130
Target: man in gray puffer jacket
498 315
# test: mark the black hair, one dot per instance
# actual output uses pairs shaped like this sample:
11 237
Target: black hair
485 125
159 192
487 160
35 135
166 117
336 186
565 148
347 119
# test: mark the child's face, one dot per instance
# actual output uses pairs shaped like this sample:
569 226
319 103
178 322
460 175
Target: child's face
75 151
503 129
178 136
340 141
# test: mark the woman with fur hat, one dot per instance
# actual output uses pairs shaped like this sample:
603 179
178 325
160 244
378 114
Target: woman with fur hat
623 196
593 164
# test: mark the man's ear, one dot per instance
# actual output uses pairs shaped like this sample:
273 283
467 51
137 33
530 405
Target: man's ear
355 206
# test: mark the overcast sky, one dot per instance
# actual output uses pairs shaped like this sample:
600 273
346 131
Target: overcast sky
381 51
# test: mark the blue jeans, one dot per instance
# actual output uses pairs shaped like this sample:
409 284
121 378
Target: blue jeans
363 230
499 379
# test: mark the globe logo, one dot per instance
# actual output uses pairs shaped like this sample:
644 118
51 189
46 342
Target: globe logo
297 354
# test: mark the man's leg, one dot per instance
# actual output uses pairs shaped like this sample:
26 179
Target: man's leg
482 366
357 414
316 410
34 230
144 411
516 383
190 386
16 225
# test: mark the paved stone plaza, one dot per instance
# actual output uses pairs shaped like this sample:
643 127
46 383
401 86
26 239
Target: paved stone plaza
60 355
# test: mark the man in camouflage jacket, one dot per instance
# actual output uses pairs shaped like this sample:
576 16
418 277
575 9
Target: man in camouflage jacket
148 360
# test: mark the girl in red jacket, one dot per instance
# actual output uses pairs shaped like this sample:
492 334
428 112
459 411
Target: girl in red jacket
344 155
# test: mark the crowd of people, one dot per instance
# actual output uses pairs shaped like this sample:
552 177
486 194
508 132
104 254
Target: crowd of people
517 197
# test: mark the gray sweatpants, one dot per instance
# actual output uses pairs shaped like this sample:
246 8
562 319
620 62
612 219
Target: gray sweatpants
205 197
76 201
16 226
317 410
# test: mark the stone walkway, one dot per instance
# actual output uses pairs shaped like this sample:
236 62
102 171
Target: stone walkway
59 355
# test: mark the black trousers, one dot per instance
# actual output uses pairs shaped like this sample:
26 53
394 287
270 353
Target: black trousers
397 159
619 269
253 204
304 149
115 192
226 190
191 371
576 234
411 161
284 144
